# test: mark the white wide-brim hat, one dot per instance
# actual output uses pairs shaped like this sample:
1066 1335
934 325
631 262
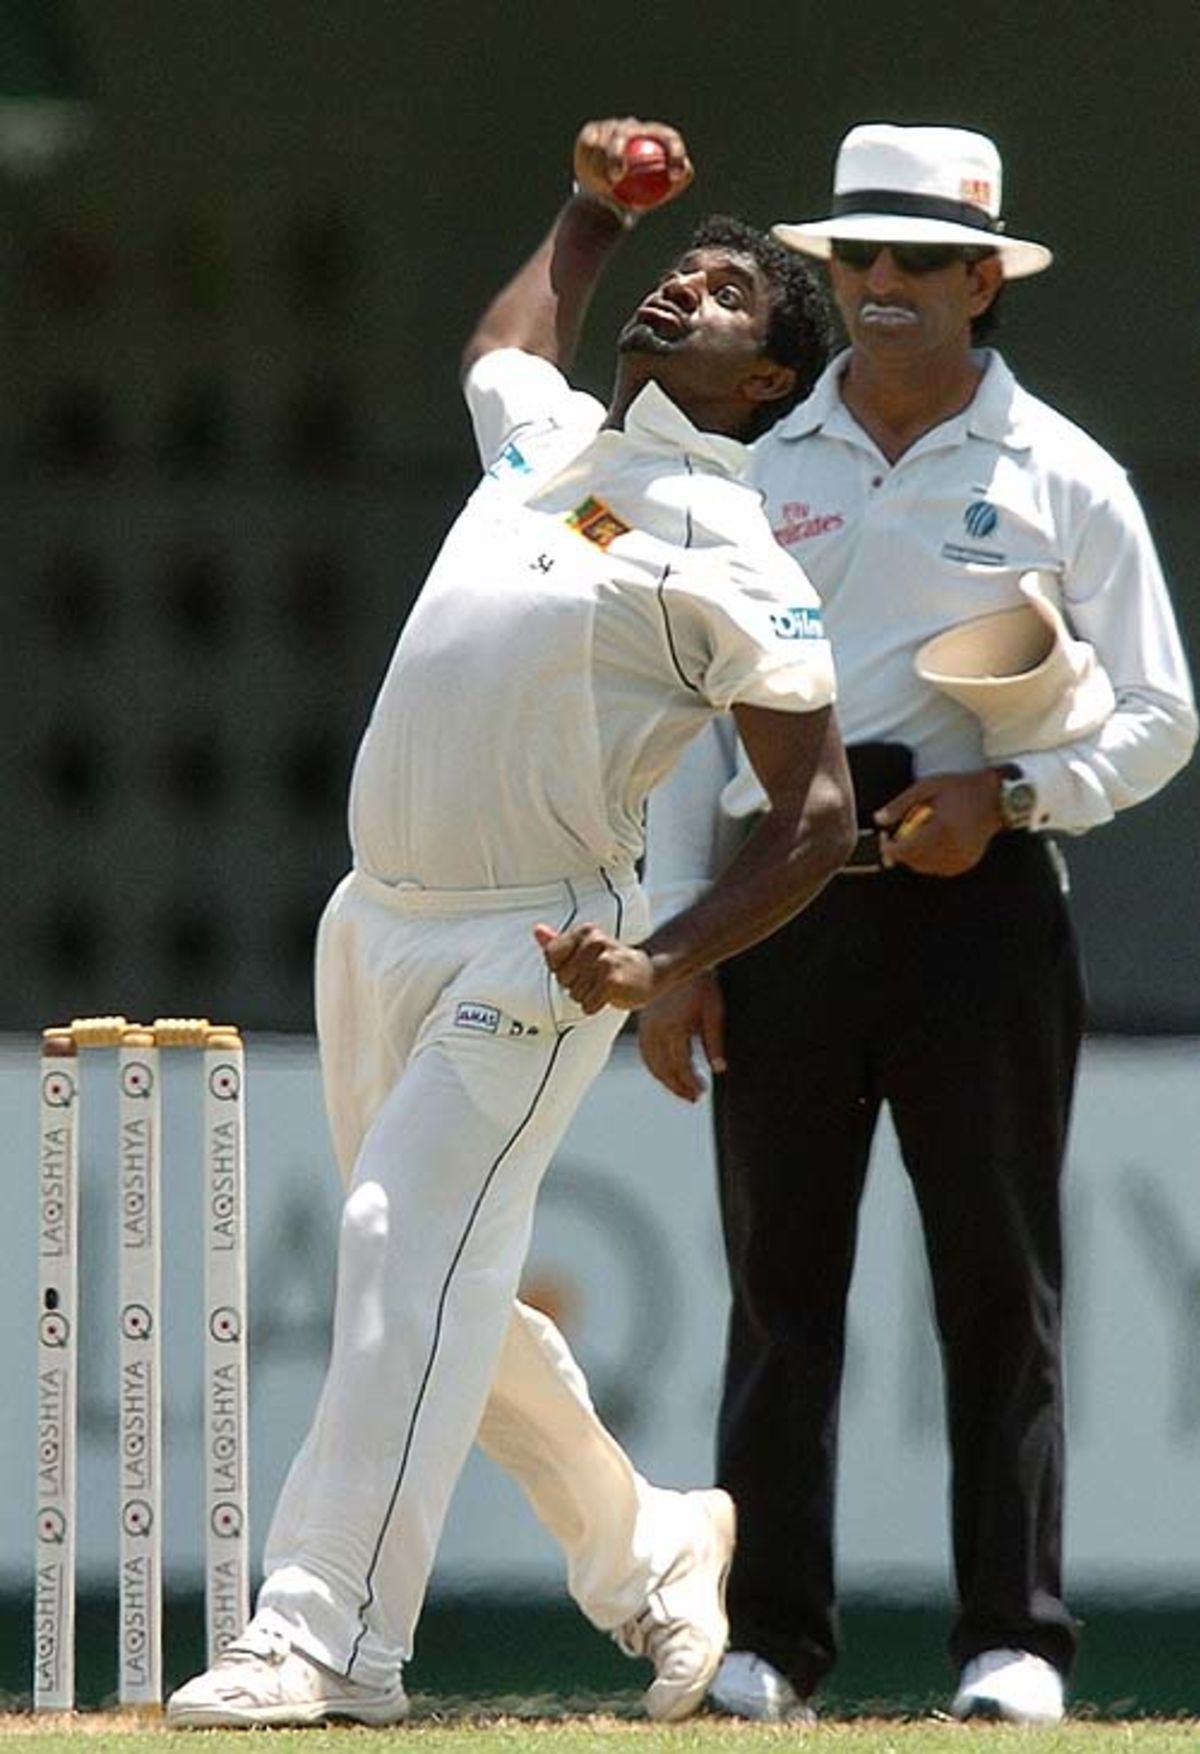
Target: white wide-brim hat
1030 683
897 185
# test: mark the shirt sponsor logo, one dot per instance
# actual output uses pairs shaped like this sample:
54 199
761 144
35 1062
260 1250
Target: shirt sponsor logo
511 461
800 523
798 623
483 1018
966 556
980 518
598 522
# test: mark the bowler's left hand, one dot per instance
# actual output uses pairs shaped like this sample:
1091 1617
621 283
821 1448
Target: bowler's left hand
596 969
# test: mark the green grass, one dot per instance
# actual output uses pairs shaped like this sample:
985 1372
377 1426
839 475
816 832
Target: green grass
520 1677
507 1727
1133 1662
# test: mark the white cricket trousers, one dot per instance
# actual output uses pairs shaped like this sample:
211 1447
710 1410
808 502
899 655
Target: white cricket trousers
452 1064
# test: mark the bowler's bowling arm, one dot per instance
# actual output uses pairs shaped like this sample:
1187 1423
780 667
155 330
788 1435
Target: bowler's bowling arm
542 308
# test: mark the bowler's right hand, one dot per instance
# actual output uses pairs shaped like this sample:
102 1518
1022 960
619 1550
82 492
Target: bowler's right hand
667 1029
600 155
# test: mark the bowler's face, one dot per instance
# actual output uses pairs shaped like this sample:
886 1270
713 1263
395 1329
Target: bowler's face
711 307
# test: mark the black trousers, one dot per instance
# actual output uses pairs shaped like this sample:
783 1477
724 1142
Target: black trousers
958 1002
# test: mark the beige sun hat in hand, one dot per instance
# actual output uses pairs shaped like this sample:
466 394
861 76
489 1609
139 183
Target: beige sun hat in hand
1027 679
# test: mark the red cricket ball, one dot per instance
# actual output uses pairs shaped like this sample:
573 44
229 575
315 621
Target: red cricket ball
647 177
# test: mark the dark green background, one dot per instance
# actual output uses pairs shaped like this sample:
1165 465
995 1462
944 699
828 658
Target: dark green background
1136 1660
176 812
440 135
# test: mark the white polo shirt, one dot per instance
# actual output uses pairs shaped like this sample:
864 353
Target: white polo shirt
600 597
900 551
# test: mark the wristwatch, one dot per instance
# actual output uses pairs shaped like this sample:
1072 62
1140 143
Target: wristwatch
1018 797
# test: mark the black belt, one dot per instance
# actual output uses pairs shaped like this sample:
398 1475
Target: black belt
879 772
867 858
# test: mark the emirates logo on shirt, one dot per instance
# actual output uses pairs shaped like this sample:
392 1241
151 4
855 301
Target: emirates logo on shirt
598 522
800 523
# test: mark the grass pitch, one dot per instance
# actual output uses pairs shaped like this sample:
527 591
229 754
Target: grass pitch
532 1726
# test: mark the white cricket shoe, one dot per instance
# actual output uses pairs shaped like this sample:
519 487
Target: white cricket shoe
1013 1685
683 1628
749 1686
262 1679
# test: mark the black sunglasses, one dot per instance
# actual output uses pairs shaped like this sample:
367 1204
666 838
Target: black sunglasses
860 253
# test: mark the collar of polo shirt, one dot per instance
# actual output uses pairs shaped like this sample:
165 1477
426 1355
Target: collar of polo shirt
653 419
997 412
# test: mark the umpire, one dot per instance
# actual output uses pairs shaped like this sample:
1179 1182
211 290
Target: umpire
1008 665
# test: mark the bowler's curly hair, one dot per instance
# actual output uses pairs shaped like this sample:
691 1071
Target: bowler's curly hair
800 330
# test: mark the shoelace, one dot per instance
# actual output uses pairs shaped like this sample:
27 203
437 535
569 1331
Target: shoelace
633 1636
265 1642
644 1634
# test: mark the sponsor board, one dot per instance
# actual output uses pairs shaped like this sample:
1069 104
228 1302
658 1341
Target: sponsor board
626 1255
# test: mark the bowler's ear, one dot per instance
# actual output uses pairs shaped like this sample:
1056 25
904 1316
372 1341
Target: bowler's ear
768 382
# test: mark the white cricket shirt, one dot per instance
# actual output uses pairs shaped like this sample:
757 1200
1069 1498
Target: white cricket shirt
600 597
900 551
